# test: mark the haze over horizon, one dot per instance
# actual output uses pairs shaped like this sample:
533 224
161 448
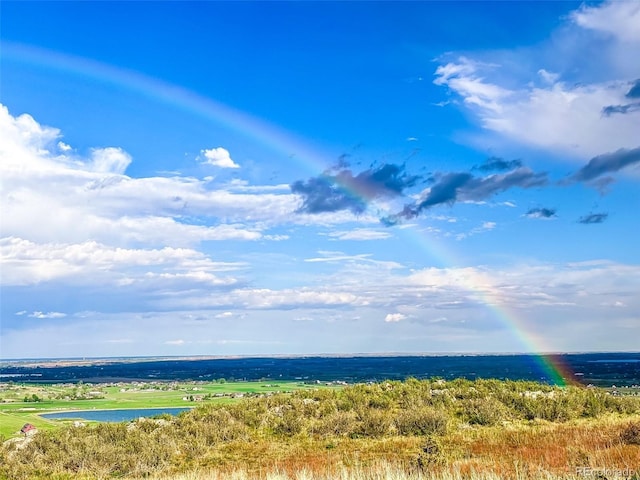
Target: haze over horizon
256 178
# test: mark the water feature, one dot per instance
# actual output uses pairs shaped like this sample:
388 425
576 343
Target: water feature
117 415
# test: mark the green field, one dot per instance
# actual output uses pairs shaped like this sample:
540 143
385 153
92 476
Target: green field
15 411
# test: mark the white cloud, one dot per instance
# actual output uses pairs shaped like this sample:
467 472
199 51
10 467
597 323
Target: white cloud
620 19
29 263
394 317
485 227
178 342
527 288
557 117
43 315
24 132
481 304
362 258
238 185
109 160
361 234
562 112
463 78
269 299
488 225
64 147
548 77
93 199
219 157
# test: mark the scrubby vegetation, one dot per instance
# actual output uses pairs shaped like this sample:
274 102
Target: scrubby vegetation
422 428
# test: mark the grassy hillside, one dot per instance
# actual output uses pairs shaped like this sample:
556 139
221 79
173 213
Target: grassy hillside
412 429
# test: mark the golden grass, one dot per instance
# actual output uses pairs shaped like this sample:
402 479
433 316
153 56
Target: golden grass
540 450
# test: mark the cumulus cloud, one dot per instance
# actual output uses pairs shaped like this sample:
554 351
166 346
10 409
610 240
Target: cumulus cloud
29 263
342 190
575 117
109 160
537 116
93 198
541 212
219 157
64 147
265 298
617 19
353 297
23 132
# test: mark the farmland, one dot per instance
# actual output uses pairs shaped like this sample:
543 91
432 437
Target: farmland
22 403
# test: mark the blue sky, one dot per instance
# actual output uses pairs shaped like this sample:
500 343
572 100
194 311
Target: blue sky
294 178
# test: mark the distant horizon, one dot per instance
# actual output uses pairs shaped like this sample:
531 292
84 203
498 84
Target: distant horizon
322 355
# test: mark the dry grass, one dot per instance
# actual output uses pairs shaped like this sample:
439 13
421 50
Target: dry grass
381 471
548 448
542 450
404 431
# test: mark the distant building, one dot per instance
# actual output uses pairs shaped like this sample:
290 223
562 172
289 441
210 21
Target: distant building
28 430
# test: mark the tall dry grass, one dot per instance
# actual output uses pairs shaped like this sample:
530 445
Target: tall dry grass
383 471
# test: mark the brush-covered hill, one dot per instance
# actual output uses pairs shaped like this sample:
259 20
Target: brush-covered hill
422 428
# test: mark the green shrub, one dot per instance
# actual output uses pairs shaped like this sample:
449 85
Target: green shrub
595 404
484 411
336 424
421 421
373 423
287 423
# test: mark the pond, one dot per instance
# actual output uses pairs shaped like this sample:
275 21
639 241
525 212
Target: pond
118 415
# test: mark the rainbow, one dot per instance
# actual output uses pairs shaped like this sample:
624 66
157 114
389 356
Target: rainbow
554 368
269 135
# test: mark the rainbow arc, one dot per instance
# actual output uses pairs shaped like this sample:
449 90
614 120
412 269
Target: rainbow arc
555 369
